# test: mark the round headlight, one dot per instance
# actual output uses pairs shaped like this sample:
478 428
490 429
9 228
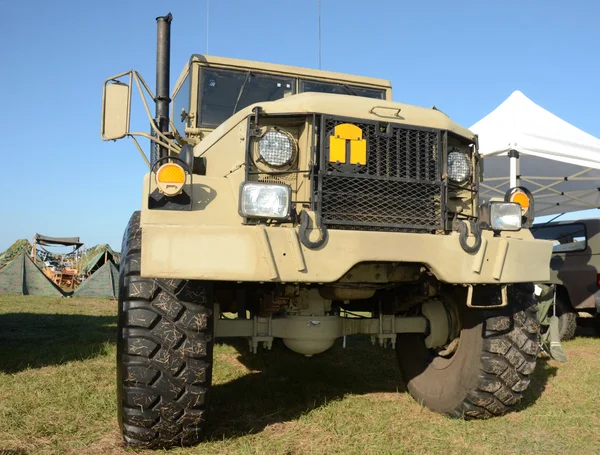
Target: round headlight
277 148
459 166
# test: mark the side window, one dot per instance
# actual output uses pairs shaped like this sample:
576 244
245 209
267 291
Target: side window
181 102
566 237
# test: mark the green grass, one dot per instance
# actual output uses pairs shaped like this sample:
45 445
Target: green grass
57 388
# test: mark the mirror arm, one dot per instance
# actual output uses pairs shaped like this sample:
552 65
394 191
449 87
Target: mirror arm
160 138
139 76
168 145
118 76
158 133
137 144
181 141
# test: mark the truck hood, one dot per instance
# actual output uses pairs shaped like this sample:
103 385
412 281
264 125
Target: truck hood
349 106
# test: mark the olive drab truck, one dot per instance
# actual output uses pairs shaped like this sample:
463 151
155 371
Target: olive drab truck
301 206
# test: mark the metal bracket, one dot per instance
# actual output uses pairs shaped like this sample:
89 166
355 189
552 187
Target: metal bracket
503 294
397 114
386 330
258 336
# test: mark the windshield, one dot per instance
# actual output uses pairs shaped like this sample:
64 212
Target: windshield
226 92
566 237
340 89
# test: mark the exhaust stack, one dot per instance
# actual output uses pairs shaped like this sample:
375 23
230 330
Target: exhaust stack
163 69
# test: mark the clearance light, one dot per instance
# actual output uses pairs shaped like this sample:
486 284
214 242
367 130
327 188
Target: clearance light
170 179
519 197
522 196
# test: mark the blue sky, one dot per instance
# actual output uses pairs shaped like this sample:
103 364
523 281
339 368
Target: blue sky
465 57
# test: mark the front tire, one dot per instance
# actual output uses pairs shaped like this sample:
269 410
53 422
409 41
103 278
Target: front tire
489 370
164 353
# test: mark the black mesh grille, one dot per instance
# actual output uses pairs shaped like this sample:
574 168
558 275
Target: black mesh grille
399 188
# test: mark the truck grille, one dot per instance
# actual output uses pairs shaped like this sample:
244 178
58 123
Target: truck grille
399 188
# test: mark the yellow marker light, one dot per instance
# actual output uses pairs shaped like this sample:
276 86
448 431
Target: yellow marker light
170 178
170 173
522 199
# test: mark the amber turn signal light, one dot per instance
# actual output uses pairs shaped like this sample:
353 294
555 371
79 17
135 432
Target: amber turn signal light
170 179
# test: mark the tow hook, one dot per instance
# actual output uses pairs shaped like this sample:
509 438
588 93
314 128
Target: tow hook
461 227
323 234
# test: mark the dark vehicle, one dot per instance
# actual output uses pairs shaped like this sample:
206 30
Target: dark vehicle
574 270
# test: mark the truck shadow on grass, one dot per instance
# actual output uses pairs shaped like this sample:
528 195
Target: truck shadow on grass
544 371
588 328
282 386
33 340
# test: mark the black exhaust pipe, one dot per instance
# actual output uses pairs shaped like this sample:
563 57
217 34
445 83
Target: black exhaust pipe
163 69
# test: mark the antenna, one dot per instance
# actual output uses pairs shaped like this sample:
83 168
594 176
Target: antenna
319 9
207 11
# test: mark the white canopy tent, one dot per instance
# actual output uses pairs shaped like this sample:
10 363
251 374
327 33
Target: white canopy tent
525 145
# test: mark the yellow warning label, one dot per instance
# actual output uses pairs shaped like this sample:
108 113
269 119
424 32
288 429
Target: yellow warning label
347 145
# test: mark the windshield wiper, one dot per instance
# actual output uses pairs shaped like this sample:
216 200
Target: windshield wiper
349 90
239 97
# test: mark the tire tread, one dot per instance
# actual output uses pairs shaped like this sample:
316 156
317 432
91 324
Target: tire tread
164 354
510 350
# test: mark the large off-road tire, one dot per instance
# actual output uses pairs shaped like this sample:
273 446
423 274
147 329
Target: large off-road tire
489 370
164 353
567 319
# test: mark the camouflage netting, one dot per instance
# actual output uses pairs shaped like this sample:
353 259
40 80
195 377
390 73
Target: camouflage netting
96 257
14 250
102 284
22 277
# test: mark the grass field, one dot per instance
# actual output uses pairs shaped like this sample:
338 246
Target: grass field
57 396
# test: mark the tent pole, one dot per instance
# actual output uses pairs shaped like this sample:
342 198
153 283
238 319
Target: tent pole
513 157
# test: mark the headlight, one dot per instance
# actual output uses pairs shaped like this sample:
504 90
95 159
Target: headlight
265 200
277 148
505 216
459 166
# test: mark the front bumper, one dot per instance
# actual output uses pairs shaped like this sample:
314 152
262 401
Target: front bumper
251 253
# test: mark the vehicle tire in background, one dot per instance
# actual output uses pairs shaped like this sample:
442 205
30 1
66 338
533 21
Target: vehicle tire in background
567 319
489 370
164 353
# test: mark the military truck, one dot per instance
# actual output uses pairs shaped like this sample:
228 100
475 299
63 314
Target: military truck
301 205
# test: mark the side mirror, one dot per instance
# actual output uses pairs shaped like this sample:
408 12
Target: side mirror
115 110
